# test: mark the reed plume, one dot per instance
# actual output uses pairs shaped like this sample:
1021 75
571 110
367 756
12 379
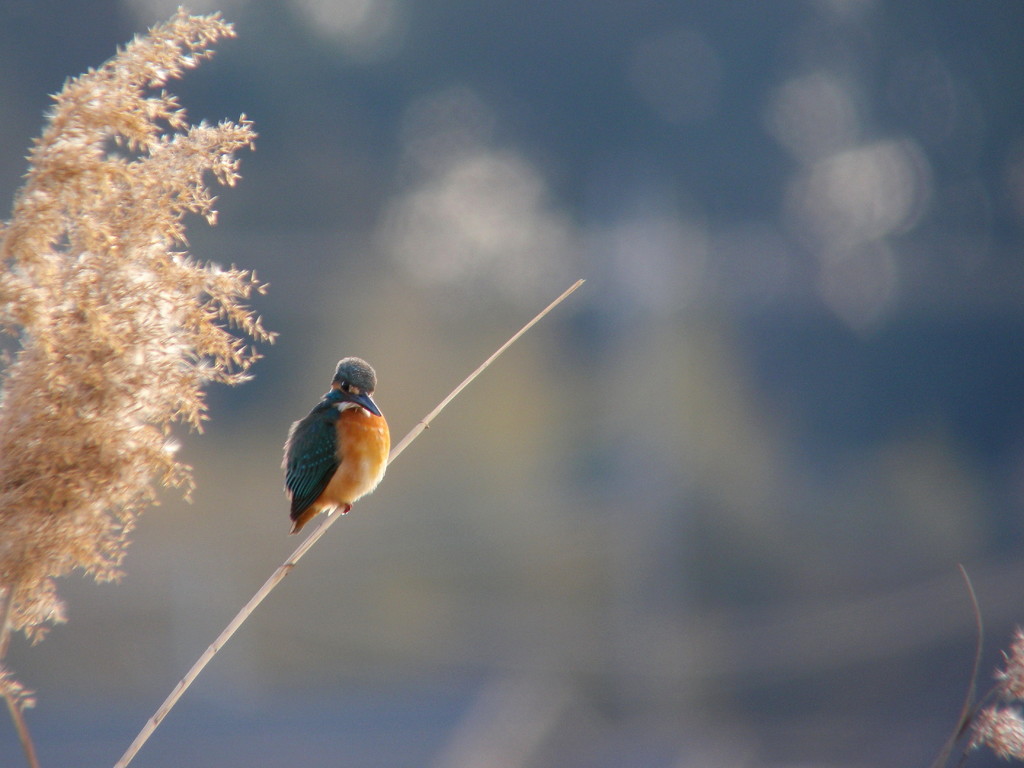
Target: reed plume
1000 727
117 329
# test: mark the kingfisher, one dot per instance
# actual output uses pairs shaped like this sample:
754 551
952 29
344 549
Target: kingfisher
338 453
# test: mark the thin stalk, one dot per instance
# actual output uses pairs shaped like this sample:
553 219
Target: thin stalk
18 717
6 598
423 423
969 707
14 706
285 568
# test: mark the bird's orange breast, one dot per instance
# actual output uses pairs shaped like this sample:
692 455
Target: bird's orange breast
363 445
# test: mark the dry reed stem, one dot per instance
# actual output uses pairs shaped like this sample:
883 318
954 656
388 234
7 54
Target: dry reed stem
16 710
968 707
286 567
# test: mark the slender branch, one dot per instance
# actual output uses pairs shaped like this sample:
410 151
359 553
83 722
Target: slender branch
18 717
14 704
968 709
425 421
979 638
6 599
285 568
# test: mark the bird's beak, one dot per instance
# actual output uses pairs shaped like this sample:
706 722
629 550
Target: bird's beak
365 401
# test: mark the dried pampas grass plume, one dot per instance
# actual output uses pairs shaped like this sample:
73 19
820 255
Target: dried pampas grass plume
118 332
1000 727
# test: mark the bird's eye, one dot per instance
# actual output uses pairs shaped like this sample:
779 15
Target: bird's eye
346 386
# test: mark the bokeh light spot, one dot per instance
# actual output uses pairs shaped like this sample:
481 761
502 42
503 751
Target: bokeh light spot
863 194
367 30
483 218
812 115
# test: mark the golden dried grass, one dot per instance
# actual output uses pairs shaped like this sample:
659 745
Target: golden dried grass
118 329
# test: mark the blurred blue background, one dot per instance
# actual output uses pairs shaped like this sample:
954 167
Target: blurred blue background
708 513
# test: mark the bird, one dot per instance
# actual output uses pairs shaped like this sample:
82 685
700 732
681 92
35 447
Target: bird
338 453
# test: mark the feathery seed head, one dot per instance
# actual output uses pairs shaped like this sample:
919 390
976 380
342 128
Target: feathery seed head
118 331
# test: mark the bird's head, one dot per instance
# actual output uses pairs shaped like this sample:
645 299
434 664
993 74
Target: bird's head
354 382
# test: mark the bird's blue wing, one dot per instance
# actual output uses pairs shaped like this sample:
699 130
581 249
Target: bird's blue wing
310 457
